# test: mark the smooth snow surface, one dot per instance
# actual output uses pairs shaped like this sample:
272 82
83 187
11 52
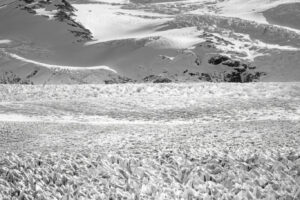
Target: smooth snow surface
17 118
250 9
108 22
125 24
61 67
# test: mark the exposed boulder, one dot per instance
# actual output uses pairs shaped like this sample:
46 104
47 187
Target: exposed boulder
238 72
234 77
11 78
150 78
216 60
118 79
162 80
231 63
198 61
252 77
240 69
156 79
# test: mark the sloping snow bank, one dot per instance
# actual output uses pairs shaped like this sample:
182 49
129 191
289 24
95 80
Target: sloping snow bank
107 22
177 38
250 9
61 67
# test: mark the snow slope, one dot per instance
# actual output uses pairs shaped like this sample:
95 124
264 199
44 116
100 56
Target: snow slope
142 39
250 9
59 67
108 22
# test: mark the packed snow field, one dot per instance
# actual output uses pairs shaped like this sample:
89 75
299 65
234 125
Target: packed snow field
150 141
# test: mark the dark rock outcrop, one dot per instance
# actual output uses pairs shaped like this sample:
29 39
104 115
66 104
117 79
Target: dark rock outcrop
118 79
231 63
156 79
162 80
216 60
237 71
11 78
64 14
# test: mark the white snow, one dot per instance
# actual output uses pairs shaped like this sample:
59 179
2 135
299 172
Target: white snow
243 44
177 38
288 28
61 67
16 118
275 46
105 104
124 24
111 22
167 57
2 6
93 120
258 115
241 142
108 22
4 41
44 12
250 9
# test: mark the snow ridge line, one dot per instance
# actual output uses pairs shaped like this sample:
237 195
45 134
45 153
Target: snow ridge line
61 67
96 120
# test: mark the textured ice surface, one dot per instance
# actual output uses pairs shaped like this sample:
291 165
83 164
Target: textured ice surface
239 141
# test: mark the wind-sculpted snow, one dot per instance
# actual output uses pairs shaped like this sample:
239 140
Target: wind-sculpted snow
264 32
167 175
150 141
180 90
250 10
